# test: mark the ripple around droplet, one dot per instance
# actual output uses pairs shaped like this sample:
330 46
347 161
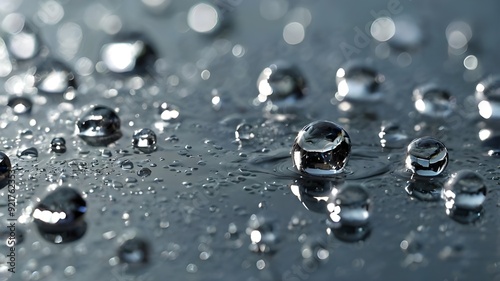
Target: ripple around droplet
357 82
392 135
133 251
321 148
99 126
424 189
432 101
426 157
5 169
314 194
350 207
128 53
144 140
59 216
280 85
55 77
20 105
488 97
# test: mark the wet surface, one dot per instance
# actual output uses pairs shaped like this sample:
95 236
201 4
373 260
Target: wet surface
141 146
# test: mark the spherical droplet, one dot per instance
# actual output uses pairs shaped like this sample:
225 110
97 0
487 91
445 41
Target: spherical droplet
433 101
144 140
465 190
99 126
5 168
488 97
59 216
128 53
392 136
280 84
55 77
350 207
358 83
321 148
244 131
426 157
20 105
134 251
58 145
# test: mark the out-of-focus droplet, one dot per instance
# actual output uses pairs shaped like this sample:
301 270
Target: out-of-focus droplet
20 105
244 132
294 33
408 34
314 250
281 85
432 101
464 193
50 12
358 83
99 126
58 145
488 97
5 63
321 148
392 135
350 207
128 53
204 18
22 42
5 169
60 215
262 232
426 156
424 189
273 9
471 62
383 29
144 140
168 112
458 34
156 6
315 194
53 77
133 251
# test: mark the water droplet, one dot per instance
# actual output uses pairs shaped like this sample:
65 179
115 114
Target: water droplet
20 105
426 157
464 194
350 206
262 233
99 126
128 53
144 172
315 194
321 148
144 140
357 82
22 42
133 251
127 165
168 112
54 77
488 97
458 34
314 250
433 101
58 145
281 85
5 168
29 153
244 132
424 189
59 216
392 136
204 18
408 34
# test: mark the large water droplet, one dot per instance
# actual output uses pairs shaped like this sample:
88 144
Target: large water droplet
280 85
58 145
128 53
5 168
54 77
426 157
358 83
262 232
350 206
133 251
59 216
22 42
392 136
315 194
144 140
433 101
488 97
20 105
99 126
244 132
465 190
321 148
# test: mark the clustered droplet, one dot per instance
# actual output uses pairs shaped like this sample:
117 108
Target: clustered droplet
321 148
99 126
426 156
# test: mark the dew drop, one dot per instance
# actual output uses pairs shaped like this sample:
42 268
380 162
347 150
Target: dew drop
321 148
433 101
133 251
99 126
357 82
144 140
488 97
128 53
280 85
350 207
426 157
59 216
53 77
20 105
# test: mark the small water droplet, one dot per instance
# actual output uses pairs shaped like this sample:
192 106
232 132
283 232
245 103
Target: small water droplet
168 112
20 105
350 207
426 157
144 172
262 232
488 97
144 140
59 216
58 145
128 53
134 251
204 18
357 82
127 165
314 250
392 136
321 148
464 193
99 126
30 153
432 101
5 169
53 77
244 132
